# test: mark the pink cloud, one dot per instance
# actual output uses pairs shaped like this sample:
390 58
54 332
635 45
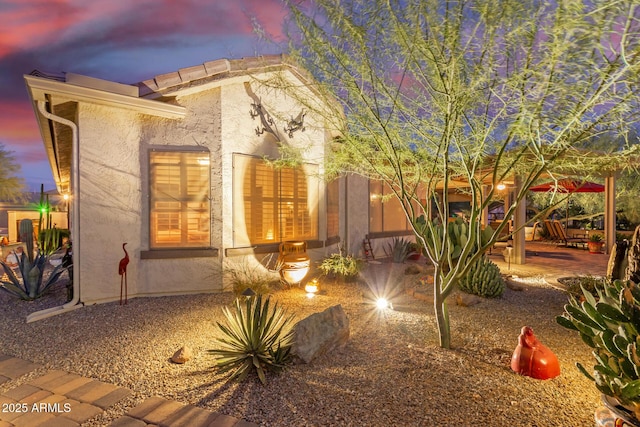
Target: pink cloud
18 123
114 39
28 24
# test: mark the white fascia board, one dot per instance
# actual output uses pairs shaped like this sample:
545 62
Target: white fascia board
40 87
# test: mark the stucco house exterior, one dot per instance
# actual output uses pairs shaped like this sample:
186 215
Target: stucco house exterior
177 167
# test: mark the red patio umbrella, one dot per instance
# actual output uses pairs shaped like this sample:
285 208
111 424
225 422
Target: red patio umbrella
569 186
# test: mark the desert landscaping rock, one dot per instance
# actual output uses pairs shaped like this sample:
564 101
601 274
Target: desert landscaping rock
320 333
183 355
467 300
391 371
513 285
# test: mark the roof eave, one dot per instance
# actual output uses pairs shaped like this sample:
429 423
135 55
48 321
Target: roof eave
40 87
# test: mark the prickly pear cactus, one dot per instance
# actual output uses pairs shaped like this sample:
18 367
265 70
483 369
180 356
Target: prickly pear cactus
483 279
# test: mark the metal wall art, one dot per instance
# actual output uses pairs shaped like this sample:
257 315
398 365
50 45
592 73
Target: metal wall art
268 124
265 120
296 124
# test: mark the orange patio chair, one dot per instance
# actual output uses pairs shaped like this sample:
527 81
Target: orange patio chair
573 241
551 231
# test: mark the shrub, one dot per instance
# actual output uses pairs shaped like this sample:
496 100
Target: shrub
483 279
595 237
577 284
340 264
255 276
255 338
50 239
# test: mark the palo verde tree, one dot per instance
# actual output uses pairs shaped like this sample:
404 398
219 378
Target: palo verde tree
432 95
11 186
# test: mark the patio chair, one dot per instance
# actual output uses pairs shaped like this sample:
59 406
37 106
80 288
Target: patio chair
551 231
536 225
573 241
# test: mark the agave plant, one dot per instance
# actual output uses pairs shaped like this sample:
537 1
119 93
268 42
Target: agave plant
610 325
399 249
257 337
31 284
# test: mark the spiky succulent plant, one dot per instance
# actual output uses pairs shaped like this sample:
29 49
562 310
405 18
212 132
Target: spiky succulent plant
256 337
31 282
609 324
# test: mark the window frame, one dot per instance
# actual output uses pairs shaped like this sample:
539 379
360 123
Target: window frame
246 162
380 218
203 198
332 195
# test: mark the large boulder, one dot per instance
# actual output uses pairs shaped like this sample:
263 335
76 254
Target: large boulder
320 333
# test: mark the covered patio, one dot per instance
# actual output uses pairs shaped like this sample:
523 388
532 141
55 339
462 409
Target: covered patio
550 261
521 249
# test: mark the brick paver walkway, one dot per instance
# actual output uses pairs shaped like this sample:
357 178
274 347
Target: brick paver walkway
62 399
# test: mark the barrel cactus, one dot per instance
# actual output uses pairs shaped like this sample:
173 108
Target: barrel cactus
483 279
610 325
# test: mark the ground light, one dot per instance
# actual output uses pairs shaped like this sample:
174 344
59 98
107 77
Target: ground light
383 303
311 288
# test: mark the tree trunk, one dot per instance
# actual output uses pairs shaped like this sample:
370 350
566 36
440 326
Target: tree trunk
633 256
441 312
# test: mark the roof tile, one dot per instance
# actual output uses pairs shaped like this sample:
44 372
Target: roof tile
216 67
208 69
273 59
192 73
237 65
147 87
168 79
253 62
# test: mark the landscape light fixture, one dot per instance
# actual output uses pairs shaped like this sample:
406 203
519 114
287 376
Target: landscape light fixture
382 303
311 288
248 293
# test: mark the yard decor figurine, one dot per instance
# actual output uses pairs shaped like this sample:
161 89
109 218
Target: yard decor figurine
532 358
122 271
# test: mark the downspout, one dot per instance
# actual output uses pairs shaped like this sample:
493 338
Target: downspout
75 230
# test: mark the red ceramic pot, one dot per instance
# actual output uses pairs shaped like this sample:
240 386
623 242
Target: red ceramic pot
533 359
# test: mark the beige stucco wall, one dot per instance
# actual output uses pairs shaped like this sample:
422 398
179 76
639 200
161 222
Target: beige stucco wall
113 189
239 135
109 198
114 202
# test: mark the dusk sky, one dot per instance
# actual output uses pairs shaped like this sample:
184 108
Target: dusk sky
126 41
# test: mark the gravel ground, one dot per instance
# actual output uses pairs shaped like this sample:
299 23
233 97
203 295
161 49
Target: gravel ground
391 372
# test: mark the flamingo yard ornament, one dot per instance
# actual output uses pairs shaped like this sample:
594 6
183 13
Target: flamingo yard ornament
122 271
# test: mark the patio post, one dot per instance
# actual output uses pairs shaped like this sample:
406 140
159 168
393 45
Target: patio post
609 212
519 220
